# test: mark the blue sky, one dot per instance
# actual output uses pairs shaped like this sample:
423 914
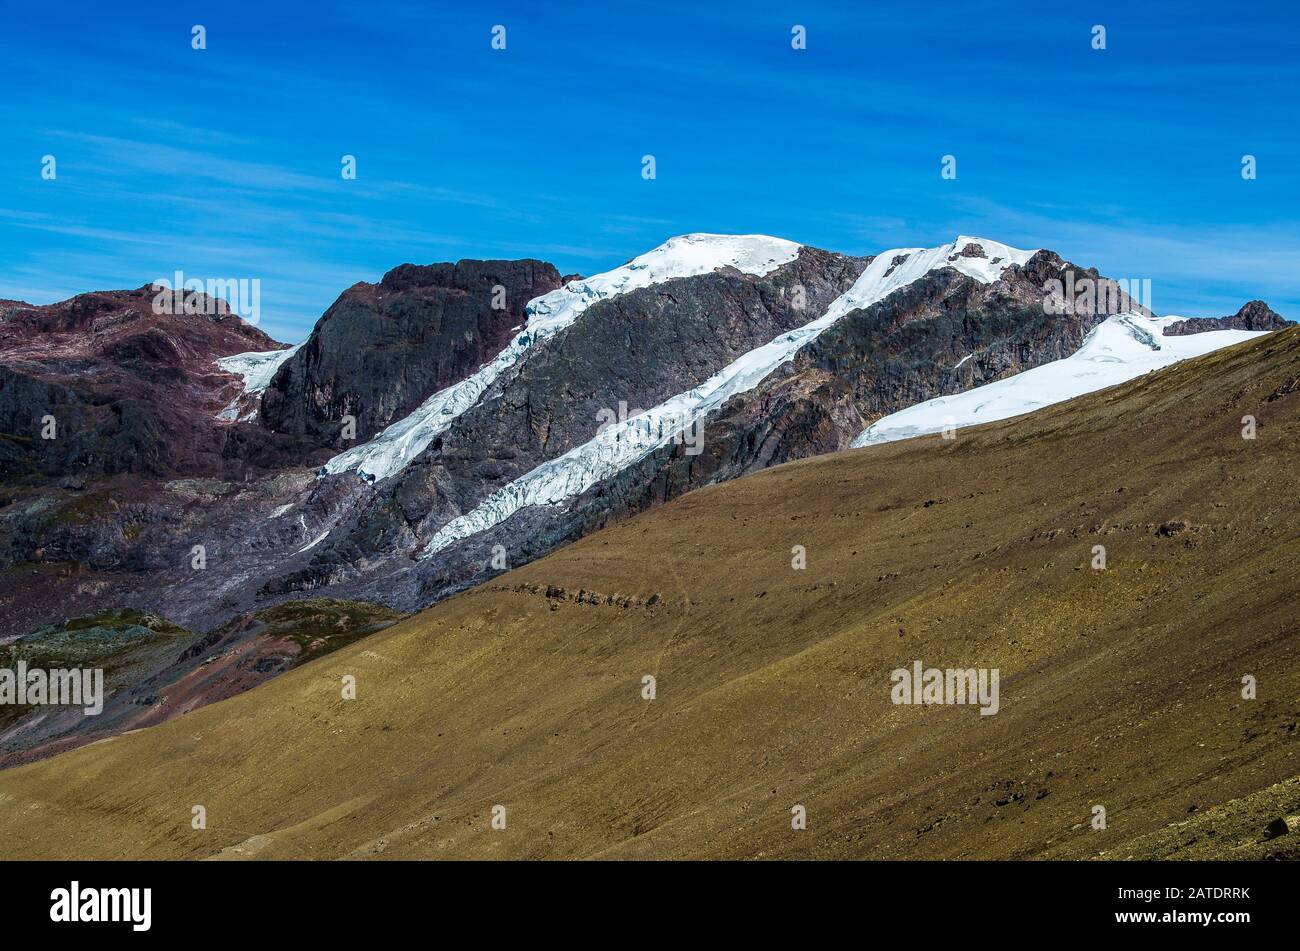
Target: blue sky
225 162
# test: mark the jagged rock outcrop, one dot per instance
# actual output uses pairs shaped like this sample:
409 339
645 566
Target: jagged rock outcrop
107 382
942 334
383 348
625 354
1256 315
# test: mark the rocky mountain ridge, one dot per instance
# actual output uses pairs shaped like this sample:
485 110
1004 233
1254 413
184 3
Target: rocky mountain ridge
497 412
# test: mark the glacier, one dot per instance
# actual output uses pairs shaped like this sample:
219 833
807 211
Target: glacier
1119 349
257 367
625 443
684 256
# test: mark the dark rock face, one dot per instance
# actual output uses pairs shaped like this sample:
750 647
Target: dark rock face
382 349
636 349
946 333
101 384
942 334
1255 315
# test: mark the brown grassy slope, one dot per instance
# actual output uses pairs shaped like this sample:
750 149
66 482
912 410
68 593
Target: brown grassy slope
1236 830
1119 687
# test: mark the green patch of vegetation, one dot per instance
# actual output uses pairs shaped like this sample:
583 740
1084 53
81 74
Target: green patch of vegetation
82 509
97 639
322 625
119 619
108 640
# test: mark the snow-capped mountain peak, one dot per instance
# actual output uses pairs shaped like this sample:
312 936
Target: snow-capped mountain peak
686 255
980 258
621 445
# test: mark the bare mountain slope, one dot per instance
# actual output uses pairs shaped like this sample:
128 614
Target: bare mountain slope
1119 687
